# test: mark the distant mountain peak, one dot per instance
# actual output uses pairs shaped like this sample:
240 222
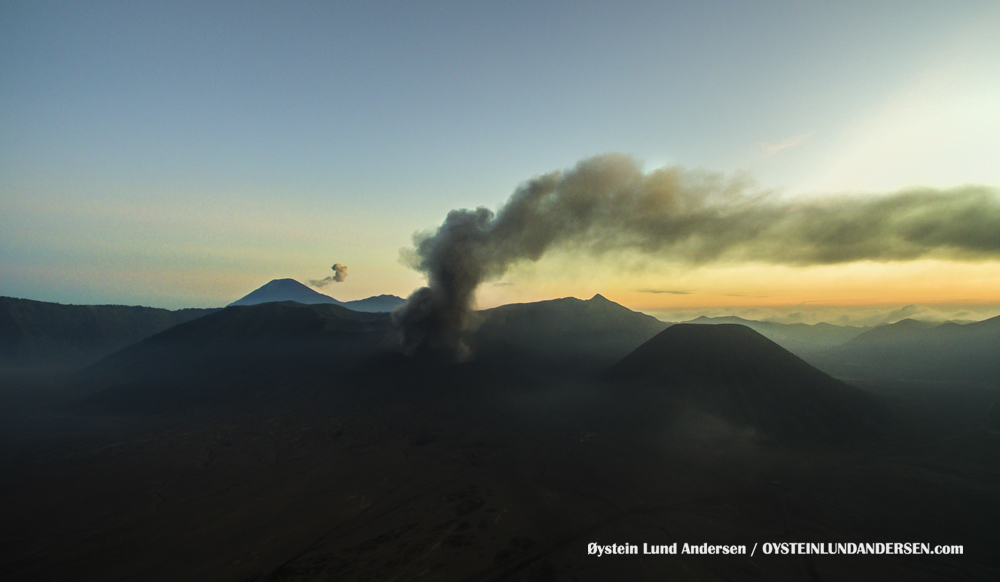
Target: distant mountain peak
601 298
278 290
284 290
282 282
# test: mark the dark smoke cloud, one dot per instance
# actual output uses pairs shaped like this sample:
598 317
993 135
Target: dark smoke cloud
607 204
338 276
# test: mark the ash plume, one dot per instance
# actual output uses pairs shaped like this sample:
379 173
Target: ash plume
607 203
338 276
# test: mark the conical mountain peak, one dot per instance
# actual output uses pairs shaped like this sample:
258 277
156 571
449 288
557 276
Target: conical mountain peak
733 372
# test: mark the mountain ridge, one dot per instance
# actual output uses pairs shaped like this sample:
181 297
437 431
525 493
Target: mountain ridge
598 329
39 335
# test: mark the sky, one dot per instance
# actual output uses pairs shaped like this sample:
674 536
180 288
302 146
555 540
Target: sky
181 154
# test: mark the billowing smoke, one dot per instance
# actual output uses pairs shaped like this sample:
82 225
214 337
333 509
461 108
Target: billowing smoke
607 203
338 276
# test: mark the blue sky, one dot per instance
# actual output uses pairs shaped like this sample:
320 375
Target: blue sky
181 154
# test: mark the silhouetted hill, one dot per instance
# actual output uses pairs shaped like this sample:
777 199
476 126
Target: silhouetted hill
291 290
36 335
284 290
238 352
922 351
732 372
597 331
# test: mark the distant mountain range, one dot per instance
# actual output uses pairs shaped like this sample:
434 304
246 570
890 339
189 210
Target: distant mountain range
191 357
285 351
799 338
292 290
38 336
916 350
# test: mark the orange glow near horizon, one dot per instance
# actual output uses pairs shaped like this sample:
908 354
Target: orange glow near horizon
927 282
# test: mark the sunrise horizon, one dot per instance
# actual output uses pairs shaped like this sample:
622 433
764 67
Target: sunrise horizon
277 142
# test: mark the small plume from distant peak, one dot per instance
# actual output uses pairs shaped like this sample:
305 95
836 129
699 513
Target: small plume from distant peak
338 276
607 204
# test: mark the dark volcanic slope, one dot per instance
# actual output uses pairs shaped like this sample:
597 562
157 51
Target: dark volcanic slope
37 334
236 353
734 372
599 331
